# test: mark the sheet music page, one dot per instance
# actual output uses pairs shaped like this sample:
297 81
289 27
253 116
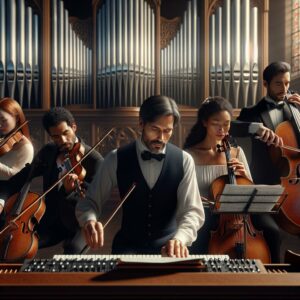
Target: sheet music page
235 198
158 260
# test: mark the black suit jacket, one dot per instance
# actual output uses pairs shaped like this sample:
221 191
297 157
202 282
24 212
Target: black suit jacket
262 168
60 207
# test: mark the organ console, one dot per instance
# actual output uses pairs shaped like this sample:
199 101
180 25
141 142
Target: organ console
147 277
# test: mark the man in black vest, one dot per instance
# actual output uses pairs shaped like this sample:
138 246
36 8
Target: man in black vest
271 111
164 212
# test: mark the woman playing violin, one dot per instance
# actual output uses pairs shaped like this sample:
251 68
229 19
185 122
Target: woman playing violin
59 222
16 151
213 124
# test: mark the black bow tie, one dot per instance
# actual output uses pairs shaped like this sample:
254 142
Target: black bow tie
147 155
278 105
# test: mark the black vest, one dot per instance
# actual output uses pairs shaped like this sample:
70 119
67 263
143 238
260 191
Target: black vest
148 214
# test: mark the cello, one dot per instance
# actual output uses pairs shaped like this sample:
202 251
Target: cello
289 215
23 211
235 234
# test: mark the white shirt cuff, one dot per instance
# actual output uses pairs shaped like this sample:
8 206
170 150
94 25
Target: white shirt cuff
2 202
254 127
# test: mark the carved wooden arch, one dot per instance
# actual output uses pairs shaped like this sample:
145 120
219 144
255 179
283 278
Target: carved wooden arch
169 28
214 4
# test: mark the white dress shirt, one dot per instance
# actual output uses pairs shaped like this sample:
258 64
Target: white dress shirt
276 114
190 213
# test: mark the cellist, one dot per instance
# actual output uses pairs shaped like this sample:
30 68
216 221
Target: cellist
18 151
271 110
213 123
59 222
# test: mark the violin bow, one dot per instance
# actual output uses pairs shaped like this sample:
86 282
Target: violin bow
284 146
133 186
58 181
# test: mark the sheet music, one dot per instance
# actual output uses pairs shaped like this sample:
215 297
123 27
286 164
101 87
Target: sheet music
235 198
158 260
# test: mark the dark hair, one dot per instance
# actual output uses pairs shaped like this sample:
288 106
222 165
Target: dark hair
55 116
12 107
274 69
156 106
209 107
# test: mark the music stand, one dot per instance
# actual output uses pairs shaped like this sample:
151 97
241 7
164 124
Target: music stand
249 199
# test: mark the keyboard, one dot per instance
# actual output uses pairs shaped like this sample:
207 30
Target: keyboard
107 263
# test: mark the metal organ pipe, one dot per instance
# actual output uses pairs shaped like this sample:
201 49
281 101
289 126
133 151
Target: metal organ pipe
19 53
212 58
254 48
71 61
246 50
125 38
237 50
35 61
11 48
21 49
180 60
2 48
29 54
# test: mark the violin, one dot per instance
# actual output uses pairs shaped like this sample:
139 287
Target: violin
235 234
71 159
23 211
7 143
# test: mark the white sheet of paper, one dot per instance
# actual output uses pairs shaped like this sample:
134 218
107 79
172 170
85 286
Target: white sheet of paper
234 198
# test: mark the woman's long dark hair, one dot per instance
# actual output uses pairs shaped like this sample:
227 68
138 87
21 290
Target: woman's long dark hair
209 107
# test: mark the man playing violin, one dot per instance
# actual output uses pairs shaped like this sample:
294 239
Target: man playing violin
271 111
59 222
164 212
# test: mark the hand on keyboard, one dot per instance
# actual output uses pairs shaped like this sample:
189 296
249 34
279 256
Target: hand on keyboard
94 234
174 248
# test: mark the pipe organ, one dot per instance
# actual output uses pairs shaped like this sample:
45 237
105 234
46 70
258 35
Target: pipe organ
125 52
19 52
180 60
120 55
71 74
234 52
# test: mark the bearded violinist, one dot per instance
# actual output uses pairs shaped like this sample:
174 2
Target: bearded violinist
59 222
